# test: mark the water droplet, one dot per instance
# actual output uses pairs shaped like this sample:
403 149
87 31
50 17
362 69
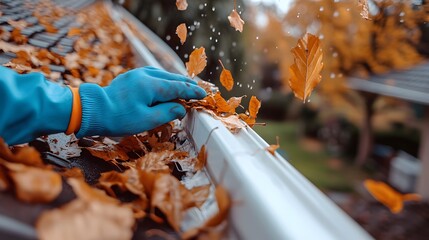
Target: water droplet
177 47
168 37
190 33
212 48
201 6
186 55
321 36
217 68
214 29
336 14
257 37
213 9
332 75
321 9
221 54
253 80
216 40
211 38
159 19
193 47
234 44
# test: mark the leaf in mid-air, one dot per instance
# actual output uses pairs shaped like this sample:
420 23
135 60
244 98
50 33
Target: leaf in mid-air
236 21
226 78
197 62
182 32
181 5
305 72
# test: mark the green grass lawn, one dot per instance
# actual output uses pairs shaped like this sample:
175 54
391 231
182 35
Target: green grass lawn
315 165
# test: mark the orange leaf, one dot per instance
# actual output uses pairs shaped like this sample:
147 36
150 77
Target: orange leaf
236 21
272 148
181 5
182 32
34 185
222 105
254 106
388 196
25 155
201 159
305 72
224 204
107 152
226 78
197 62
73 32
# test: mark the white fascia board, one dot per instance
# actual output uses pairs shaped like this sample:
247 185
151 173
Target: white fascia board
272 200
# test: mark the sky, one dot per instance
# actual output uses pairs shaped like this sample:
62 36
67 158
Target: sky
283 5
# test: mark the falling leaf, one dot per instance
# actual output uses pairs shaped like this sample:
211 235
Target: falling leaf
226 78
181 5
182 32
197 62
272 148
236 21
365 10
33 185
305 72
86 220
254 106
201 159
388 196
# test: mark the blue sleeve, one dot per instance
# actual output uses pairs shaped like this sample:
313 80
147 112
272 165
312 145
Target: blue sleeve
31 106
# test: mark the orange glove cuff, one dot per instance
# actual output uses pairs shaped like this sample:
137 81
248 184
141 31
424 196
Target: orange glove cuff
76 114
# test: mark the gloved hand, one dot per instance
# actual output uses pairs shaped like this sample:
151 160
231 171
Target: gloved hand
135 101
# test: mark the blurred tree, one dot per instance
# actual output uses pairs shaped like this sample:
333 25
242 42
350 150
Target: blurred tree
208 26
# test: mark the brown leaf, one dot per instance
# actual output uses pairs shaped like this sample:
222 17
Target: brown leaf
171 197
197 62
157 161
365 10
272 148
4 183
89 194
17 37
25 155
86 220
107 152
181 5
133 143
33 185
200 195
224 204
234 102
128 180
226 78
305 72
201 159
236 21
182 32
73 173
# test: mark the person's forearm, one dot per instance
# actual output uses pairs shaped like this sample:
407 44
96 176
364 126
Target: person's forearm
31 106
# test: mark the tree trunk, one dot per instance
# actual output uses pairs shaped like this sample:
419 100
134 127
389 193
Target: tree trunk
423 181
366 138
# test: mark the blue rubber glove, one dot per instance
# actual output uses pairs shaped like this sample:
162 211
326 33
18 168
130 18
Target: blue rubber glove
31 106
135 101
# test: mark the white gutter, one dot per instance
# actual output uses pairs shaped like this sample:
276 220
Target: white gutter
272 200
